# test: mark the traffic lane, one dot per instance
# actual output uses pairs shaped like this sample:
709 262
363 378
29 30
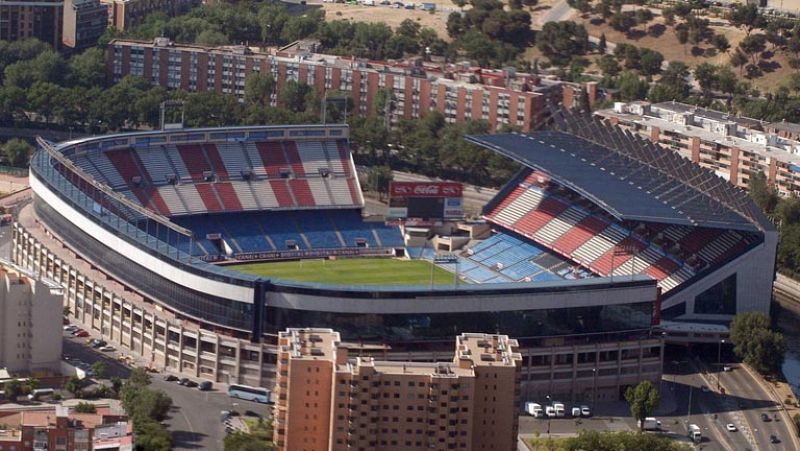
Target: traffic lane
78 348
678 423
753 404
195 419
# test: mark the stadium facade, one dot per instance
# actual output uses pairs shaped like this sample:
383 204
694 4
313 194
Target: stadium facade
137 227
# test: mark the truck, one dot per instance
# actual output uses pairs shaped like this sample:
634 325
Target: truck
694 433
560 409
651 424
533 409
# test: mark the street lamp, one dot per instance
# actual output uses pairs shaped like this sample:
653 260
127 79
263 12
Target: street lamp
719 363
594 387
548 417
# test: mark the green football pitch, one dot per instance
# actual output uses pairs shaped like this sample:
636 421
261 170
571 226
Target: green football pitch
352 271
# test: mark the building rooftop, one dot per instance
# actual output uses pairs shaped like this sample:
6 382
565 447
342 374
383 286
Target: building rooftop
312 344
487 350
715 115
706 135
433 369
785 126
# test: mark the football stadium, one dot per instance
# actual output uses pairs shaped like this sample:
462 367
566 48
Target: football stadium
193 248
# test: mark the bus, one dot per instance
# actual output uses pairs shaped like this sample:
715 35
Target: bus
248 393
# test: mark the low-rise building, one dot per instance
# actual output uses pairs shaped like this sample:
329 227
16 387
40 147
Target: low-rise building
31 309
60 427
733 147
326 399
459 92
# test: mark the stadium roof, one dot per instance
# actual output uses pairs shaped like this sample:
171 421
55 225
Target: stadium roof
630 178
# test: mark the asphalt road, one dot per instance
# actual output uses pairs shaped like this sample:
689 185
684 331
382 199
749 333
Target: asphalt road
194 420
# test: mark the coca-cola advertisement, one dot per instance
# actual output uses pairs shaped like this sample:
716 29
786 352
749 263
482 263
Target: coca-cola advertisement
425 201
425 189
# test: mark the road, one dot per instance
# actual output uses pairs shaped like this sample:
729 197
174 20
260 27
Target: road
194 420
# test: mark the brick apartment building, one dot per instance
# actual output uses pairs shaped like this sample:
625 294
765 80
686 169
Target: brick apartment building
733 147
55 428
40 19
326 399
460 92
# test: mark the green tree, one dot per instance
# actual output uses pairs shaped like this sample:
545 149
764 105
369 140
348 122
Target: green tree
74 385
88 68
379 178
628 441
560 41
85 407
650 62
643 400
706 76
756 344
151 436
139 377
17 152
631 87
747 17
721 43
761 193
601 44
753 45
13 389
239 441
738 59
258 89
100 369
609 65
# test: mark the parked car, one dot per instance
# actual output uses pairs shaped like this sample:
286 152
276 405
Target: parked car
765 418
730 427
183 381
108 349
71 328
81 333
191 384
705 389
586 411
170 378
205 386
774 439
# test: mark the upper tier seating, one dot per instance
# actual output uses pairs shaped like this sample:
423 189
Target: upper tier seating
562 221
230 176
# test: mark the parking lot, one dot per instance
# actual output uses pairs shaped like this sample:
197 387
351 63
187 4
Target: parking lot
195 419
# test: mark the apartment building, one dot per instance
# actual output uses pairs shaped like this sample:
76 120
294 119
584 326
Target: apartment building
460 92
30 321
84 23
60 427
126 14
40 19
326 399
733 147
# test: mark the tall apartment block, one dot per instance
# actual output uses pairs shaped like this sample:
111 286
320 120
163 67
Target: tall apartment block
84 23
459 92
40 19
733 147
30 321
327 400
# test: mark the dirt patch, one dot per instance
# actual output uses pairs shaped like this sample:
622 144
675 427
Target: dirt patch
391 16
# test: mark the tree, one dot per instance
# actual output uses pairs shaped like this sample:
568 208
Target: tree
258 89
17 152
643 400
560 41
74 385
629 441
721 43
609 65
706 76
738 59
151 436
239 441
139 377
601 44
753 45
88 68
747 17
85 407
13 389
100 369
211 37
631 87
379 178
650 62
756 344
673 84
761 193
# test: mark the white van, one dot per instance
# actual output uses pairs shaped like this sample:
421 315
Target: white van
533 409
560 409
549 412
576 412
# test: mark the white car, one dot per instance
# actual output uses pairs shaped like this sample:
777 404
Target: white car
731 427
108 349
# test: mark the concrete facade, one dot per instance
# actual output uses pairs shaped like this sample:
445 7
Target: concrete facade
30 322
329 401
84 23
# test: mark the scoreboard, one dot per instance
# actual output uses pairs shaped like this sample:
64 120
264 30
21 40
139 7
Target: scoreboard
426 200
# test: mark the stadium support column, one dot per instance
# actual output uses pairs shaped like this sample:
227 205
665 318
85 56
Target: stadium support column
259 300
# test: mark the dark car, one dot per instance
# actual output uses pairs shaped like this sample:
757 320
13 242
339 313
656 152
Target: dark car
250 413
184 381
765 418
170 378
205 386
774 439
190 383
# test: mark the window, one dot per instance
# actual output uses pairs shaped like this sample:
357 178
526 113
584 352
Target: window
719 299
